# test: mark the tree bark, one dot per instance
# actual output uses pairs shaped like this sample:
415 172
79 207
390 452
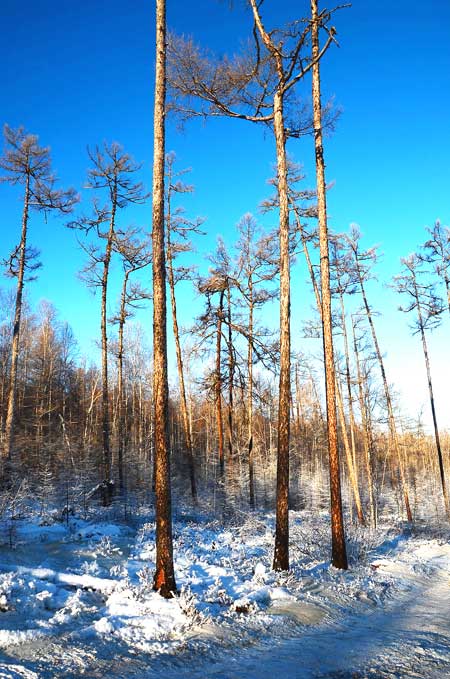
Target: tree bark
281 553
339 553
251 471
164 579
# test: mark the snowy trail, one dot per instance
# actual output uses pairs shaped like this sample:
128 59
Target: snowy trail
409 637
388 618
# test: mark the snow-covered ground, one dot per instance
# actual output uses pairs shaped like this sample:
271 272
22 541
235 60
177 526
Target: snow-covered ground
77 600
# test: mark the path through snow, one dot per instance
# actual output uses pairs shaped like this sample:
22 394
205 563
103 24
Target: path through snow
388 618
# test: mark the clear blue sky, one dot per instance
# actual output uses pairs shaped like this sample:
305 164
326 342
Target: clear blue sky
80 73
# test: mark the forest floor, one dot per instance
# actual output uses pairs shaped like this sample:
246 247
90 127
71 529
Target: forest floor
76 600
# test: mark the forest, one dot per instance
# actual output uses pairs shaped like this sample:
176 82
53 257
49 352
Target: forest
219 484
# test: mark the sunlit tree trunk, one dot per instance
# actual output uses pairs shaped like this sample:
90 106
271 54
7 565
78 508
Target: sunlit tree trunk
164 579
281 553
339 553
251 470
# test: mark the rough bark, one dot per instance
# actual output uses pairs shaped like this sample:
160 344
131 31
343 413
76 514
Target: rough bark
339 553
164 579
281 553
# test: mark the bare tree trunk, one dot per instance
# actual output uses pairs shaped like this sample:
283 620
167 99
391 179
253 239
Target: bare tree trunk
120 389
9 423
391 419
183 400
433 409
251 471
164 579
230 467
281 553
218 385
339 553
348 375
103 327
350 460
340 405
366 442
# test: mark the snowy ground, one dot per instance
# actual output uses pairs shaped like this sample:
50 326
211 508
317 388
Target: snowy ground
77 600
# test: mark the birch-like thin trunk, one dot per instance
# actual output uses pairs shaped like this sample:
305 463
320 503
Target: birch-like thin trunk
339 552
164 579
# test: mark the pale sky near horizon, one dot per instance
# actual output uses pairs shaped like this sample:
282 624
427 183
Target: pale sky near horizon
76 74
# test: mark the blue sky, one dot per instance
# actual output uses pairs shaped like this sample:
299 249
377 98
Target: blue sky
78 74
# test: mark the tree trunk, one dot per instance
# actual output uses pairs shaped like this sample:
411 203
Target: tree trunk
366 440
339 553
120 389
230 467
281 552
164 579
103 327
391 419
176 334
350 460
433 409
218 385
251 471
9 423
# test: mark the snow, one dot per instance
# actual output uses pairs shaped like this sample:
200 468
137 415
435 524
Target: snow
83 592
